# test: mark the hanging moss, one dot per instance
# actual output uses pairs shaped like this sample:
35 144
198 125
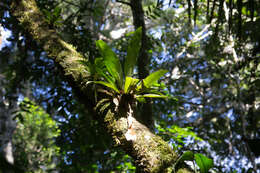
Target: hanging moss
63 53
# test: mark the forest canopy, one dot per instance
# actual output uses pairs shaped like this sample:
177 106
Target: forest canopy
129 86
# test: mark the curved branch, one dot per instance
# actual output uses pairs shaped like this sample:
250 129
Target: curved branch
150 152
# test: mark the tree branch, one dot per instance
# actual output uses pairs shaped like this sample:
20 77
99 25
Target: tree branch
123 2
150 152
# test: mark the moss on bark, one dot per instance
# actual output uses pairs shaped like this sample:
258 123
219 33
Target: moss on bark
150 152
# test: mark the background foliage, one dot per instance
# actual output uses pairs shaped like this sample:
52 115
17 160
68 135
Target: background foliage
33 139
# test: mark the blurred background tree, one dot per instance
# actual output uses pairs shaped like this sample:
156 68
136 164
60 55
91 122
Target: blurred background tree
34 139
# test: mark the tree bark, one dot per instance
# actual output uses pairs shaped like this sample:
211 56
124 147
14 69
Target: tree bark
7 127
146 115
150 152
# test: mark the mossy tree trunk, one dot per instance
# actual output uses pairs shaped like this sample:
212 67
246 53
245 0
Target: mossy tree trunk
150 152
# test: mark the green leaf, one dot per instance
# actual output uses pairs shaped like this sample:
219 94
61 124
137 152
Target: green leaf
149 9
140 99
188 155
109 85
153 78
101 69
102 109
152 96
153 16
101 102
111 61
148 91
203 162
107 77
57 11
134 46
130 83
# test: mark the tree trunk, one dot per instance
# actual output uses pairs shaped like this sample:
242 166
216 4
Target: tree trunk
150 152
7 127
146 115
